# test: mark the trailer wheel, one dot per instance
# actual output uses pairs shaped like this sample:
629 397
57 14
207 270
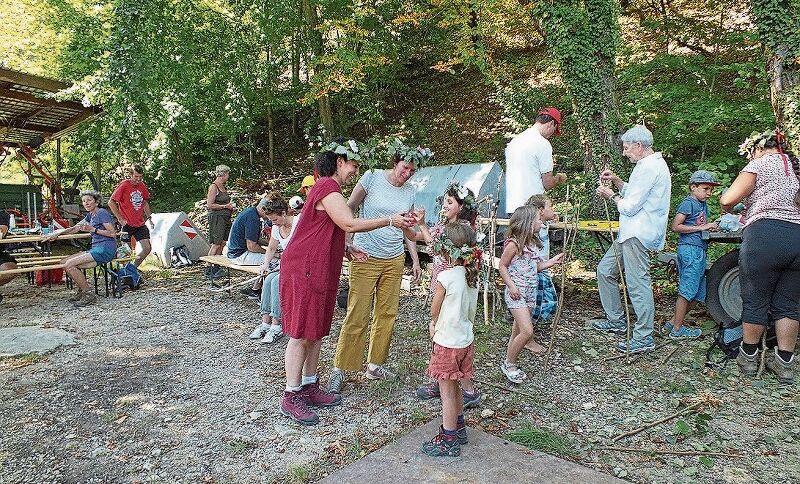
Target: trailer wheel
723 292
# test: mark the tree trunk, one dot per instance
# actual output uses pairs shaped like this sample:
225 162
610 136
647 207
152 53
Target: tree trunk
270 138
783 85
317 47
295 82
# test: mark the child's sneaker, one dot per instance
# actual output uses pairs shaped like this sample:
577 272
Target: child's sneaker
442 445
685 332
461 433
260 331
512 372
607 326
471 399
667 328
429 392
637 345
272 336
748 364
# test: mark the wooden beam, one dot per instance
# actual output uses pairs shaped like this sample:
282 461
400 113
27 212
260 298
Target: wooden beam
37 82
45 131
23 96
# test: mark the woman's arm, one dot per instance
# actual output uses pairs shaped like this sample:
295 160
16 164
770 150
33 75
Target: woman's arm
211 196
108 230
742 186
272 248
342 216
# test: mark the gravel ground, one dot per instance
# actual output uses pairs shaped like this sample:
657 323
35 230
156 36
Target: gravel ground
163 385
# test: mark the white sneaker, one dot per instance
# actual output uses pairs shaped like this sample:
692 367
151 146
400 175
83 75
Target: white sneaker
260 331
272 336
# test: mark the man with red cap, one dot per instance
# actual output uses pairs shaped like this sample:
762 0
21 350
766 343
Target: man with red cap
529 160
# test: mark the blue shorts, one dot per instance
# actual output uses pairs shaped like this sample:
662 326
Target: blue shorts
692 272
102 254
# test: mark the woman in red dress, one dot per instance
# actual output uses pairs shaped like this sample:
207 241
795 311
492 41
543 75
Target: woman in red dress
310 277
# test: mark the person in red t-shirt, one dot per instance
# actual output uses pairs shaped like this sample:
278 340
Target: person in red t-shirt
129 203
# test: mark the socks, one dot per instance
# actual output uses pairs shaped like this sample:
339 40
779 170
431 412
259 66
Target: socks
275 328
307 380
460 422
450 433
293 389
749 349
786 356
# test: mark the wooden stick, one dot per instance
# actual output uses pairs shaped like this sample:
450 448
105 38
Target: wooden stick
637 355
679 413
762 361
670 452
568 245
671 353
512 390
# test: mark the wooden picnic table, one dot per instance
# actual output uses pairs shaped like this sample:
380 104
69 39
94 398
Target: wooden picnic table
27 239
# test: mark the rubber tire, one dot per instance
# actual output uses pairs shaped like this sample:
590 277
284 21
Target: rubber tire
723 298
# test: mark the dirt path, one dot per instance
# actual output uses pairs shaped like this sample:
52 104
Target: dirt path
163 385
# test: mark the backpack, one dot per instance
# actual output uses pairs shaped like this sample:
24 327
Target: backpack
129 276
728 337
179 256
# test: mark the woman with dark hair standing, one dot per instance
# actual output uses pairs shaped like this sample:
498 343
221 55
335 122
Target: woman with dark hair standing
100 224
310 276
769 259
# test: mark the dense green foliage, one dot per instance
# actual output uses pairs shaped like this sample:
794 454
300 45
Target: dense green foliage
186 84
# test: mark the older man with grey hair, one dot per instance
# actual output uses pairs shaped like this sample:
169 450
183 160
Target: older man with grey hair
643 203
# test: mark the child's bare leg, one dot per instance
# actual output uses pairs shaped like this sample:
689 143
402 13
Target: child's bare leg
452 403
524 327
535 347
682 307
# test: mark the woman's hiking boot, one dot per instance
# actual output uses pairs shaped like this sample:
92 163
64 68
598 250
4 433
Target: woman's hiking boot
87 299
315 396
293 405
76 297
748 364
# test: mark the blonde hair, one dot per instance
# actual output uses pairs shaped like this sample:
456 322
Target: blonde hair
539 201
520 228
220 170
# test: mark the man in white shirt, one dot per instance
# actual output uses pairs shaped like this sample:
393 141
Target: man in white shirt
643 204
529 160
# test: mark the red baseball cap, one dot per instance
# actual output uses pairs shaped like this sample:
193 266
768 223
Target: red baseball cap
556 115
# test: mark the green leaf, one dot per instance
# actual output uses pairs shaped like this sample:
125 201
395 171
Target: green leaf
706 461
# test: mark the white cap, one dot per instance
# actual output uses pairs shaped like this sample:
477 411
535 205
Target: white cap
295 202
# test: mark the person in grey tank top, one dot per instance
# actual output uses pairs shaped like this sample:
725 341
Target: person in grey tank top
378 193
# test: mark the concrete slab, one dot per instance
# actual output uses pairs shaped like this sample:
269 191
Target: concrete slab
485 459
23 340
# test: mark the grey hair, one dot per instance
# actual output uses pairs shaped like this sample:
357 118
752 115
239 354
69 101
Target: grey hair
92 193
220 170
638 134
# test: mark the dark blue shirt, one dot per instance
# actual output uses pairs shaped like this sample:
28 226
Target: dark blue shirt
696 214
98 221
246 226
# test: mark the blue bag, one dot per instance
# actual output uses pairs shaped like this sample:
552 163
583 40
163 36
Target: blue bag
129 276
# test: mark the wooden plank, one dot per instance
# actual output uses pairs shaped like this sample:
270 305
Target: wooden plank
223 261
22 239
23 270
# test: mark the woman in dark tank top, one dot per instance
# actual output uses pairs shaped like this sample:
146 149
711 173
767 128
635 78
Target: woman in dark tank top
220 210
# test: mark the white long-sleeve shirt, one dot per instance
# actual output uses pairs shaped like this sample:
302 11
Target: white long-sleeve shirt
644 207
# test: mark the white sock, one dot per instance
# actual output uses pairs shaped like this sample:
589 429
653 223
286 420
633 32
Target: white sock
275 328
372 366
307 380
293 389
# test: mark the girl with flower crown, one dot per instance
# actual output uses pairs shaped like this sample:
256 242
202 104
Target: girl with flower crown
458 206
769 258
455 300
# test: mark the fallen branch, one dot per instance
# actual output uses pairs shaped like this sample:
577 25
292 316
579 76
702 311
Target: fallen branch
609 358
671 353
670 452
501 387
677 414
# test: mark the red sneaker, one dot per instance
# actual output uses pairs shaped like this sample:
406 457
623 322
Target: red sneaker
293 405
315 396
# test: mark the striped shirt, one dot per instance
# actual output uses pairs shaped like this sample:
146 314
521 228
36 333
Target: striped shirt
382 200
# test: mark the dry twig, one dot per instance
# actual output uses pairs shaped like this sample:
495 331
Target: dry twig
501 387
702 400
670 452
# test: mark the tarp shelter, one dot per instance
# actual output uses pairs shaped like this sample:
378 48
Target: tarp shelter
486 181
173 230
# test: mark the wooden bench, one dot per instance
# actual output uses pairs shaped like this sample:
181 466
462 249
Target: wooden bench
223 261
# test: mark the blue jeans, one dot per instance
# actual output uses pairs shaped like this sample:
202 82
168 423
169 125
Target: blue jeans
270 299
692 272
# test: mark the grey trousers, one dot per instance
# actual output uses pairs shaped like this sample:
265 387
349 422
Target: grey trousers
636 265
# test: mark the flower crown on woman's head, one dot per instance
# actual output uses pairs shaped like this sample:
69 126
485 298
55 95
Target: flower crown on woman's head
469 254
350 149
464 194
756 140
418 155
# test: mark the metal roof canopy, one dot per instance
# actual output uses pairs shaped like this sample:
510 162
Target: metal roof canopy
28 110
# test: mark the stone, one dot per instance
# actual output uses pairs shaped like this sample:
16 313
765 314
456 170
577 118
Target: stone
24 340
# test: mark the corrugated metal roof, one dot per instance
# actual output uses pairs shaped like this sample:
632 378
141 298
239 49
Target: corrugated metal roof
28 110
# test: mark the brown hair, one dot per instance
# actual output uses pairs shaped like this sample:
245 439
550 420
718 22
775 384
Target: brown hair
275 204
539 201
461 234
520 228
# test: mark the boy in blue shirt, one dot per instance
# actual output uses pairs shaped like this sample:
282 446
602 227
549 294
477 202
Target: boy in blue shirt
691 218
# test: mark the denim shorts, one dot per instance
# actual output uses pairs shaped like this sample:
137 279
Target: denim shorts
102 254
692 272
